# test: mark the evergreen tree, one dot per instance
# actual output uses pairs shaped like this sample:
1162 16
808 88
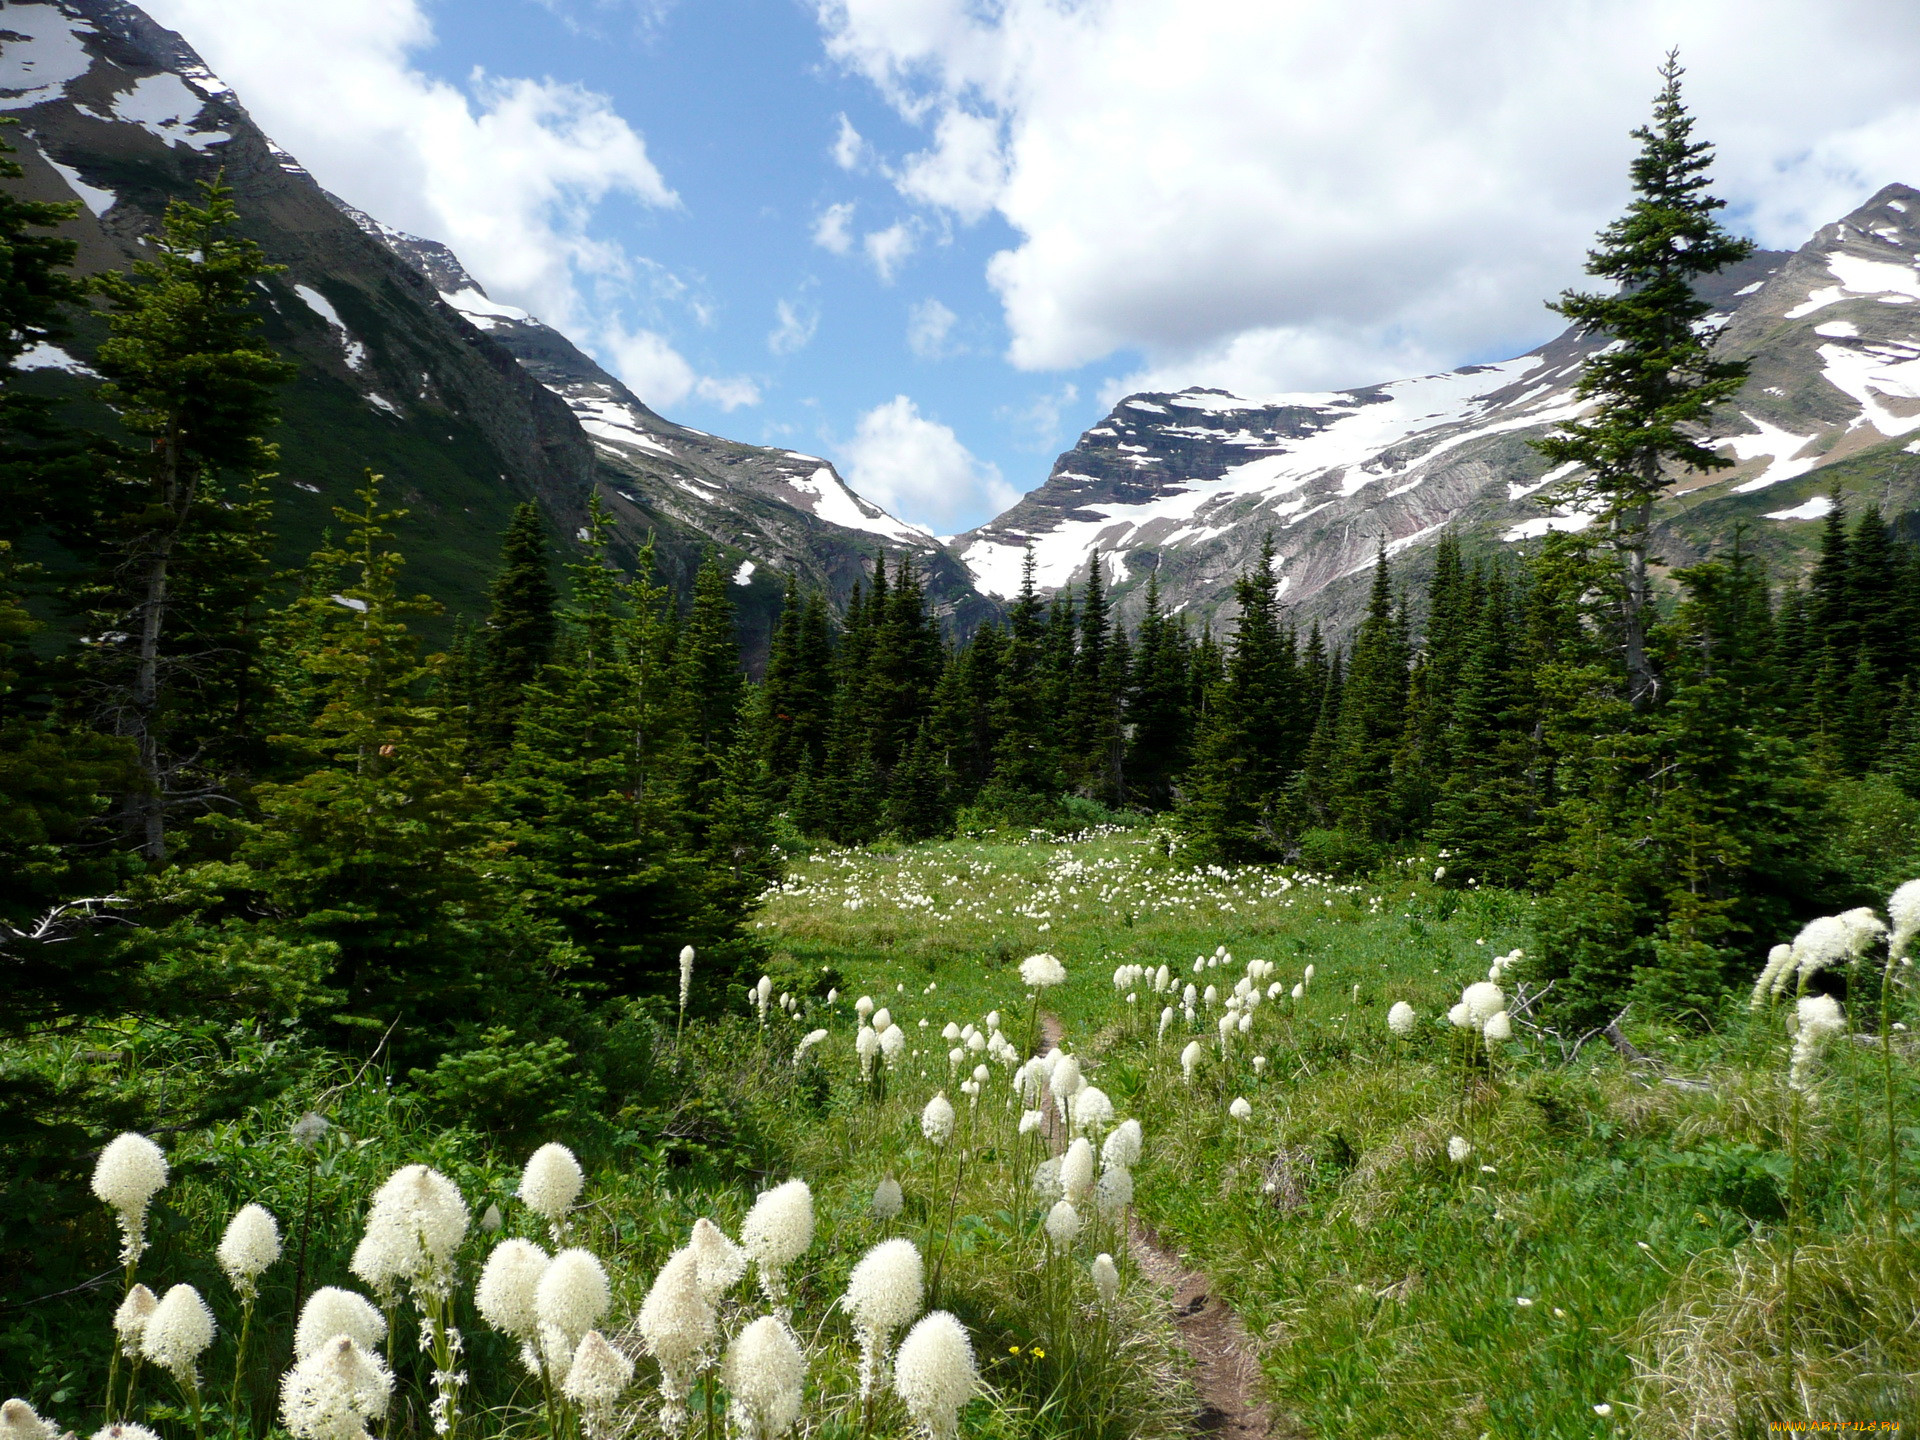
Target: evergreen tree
1158 714
183 523
516 642
1661 379
1026 776
711 689
380 852
1373 712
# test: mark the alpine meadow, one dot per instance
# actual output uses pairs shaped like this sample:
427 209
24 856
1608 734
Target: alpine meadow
524 920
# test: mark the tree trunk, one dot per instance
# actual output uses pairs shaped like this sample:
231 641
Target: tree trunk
1630 540
149 809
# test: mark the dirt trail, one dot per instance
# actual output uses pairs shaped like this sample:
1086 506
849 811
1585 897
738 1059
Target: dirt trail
1226 1377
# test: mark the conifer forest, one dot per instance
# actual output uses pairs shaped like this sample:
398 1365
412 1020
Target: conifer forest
1488 1018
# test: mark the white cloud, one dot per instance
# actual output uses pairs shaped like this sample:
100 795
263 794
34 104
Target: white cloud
848 147
929 323
888 249
1280 194
833 228
918 469
510 173
794 324
1037 423
729 392
964 172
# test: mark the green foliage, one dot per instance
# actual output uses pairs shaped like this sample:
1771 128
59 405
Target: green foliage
522 1091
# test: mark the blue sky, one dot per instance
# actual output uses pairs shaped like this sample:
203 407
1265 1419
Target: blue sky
935 239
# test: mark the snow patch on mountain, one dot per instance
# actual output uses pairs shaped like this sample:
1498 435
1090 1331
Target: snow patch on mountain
48 54
165 105
96 199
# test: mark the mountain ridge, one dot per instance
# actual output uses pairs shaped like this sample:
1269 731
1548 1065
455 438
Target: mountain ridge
1188 482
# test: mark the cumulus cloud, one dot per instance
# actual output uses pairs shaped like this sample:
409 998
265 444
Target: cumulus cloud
833 228
918 469
1276 196
929 323
888 249
794 324
848 148
509 172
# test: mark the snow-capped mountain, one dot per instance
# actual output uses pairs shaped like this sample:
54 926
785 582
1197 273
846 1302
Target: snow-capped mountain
1191 482
407 366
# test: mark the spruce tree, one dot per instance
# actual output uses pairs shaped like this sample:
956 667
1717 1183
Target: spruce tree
516 640
1373 714
187 371
380 851
1159 711
1661 379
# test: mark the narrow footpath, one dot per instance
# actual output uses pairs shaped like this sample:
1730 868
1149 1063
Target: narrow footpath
1226 1376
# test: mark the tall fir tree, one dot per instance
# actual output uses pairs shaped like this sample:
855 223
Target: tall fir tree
1661 377
516 640
180 529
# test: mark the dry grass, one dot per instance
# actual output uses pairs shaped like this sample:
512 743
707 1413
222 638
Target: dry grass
1709 1360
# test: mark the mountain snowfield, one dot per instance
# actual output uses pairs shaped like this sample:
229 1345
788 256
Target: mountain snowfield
1190 482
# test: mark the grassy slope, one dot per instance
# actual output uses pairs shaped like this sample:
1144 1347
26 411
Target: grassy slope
1399 1293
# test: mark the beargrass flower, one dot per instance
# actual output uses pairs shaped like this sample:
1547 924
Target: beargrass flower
1189 1058
1063 1224
1076 1172
124 1430
508 1290
719 1262
765 1372
415 1223
1818 1019
570 1300
1092 1111
1458 1149
1483 1000
777 1232
331 1311
595 1380
1461 1017
551 1183
1499 1028
807 1042
678 1329
333 1392
1066 1080
1240 1109
1041 972
892 1041
866 1045
179 1330
1903 909
863 1007
884 1293
130 1171
1402 1018
1113 1192
19 1422
251 1244
131 1319
936 1120
882 1020
1046 1179
1106 1279
1123 1145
